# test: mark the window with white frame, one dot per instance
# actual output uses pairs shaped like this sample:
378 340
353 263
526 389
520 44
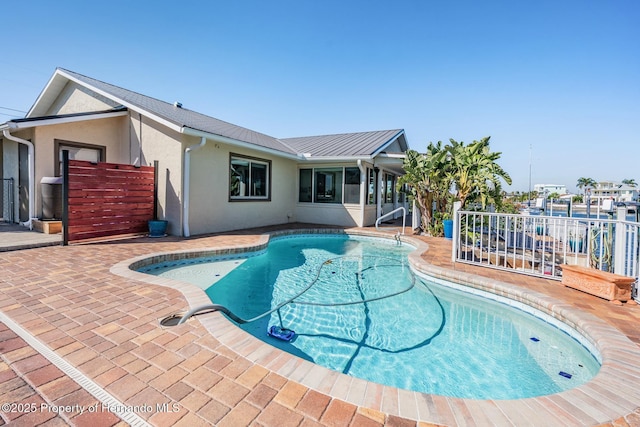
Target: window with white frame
329 185
249 178
389 187
372 194
352 185
305 191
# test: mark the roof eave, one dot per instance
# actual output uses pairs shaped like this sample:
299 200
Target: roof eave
237 143
393 163
401 156
326 159
62 120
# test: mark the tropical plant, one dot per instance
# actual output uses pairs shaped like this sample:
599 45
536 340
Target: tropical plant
508 206
421 175
475 173
470 169
630 182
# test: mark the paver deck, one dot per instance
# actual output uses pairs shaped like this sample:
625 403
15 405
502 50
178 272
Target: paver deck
14 237
79 303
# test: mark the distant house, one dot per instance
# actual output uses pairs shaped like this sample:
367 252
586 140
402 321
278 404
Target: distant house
541 189
616 191
213 175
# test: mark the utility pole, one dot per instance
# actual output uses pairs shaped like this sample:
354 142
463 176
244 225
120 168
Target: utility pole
530 160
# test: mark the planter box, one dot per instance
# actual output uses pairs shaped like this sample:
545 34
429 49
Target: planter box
47 227
612 287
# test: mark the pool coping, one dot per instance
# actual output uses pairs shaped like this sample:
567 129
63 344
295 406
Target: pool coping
608 396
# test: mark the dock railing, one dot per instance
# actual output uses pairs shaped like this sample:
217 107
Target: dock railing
539 245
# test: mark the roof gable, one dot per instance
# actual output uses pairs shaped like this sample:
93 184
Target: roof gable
171 115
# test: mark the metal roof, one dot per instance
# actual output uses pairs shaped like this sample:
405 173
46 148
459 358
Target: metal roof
179 116
346 144
359 144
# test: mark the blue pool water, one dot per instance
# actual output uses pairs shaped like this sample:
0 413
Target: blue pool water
427 337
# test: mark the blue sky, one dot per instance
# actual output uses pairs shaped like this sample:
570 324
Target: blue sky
559 76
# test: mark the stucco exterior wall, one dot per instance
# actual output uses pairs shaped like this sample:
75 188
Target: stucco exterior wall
150 141
369 215
329 213
210 208
78 99
109 133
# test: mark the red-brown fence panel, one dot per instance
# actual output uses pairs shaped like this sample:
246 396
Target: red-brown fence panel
108 199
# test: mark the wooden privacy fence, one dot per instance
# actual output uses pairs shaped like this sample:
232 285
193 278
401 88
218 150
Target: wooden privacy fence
107 199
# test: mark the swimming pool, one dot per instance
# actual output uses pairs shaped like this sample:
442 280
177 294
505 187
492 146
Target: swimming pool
431 338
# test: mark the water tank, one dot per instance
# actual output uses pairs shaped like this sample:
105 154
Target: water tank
51 187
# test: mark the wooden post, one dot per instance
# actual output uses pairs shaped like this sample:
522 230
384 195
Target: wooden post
155 189
65 197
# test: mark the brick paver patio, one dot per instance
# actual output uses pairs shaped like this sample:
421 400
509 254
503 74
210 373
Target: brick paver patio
107 327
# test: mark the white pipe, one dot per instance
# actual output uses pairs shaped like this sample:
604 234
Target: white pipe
187 184
363 191
378 191
32 176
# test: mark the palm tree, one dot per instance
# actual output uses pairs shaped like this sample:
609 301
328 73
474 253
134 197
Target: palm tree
586 183
630 182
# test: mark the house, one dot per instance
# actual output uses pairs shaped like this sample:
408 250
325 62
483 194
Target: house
616 191
542 189
212 175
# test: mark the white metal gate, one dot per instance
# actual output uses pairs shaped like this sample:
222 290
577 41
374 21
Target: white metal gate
6 198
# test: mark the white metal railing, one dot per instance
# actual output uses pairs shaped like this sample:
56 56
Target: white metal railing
539 245
404 217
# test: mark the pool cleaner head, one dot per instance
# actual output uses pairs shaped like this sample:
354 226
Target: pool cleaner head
281 333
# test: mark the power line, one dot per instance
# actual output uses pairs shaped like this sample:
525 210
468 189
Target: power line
10 116
12 109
